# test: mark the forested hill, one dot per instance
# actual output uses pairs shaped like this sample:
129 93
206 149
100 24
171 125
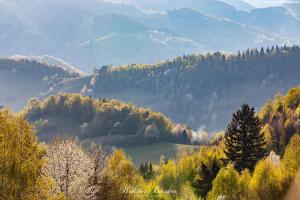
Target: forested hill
108 122
281 119
22 79
200 90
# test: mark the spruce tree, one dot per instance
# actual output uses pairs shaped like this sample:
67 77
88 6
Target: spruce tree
150 171
203 181
245 144
143 170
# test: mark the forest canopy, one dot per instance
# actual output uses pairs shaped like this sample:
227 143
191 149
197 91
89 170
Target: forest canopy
280 119
111 121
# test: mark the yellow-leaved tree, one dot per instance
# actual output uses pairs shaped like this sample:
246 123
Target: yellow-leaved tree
121 180
267 181
226 184
21 160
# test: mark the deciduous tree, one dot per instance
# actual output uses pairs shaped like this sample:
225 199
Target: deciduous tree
21 159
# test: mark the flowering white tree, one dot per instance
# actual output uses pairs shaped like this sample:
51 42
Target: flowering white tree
99 167
71 168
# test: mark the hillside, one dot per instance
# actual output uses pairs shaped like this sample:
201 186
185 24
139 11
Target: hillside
294 8
22 78
239 5
199 90
107 122
281 119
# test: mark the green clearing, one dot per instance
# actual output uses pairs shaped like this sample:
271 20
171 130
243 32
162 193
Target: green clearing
153 152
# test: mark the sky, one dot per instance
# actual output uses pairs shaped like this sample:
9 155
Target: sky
256 3
266 3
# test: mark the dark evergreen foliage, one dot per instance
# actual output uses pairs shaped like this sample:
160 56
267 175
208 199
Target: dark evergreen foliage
204 180
197 70
245 144
146 170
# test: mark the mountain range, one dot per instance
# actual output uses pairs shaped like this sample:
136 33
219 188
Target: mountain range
93 33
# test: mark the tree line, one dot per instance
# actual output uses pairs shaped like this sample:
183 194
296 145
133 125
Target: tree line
32 66
197 70
87 118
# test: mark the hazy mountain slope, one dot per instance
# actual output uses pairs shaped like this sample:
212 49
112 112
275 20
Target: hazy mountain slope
264 18
97 32
164 5
201 90
131 42
212 31
294 8
239 4
22 79
116 39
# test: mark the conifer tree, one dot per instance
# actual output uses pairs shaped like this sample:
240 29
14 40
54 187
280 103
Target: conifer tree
245 145
143 169
146 170
203 181
151 171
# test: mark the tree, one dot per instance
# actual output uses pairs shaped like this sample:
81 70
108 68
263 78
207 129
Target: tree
146 170
226 184
266 182
151 171
243 189
99 168
202 183
187 193
71 168
21 158
245 145
291 158
168 177
120 179
143 170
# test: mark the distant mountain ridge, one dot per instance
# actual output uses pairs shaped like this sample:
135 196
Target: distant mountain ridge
96 32
22 78
294 8
239 5
51 61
